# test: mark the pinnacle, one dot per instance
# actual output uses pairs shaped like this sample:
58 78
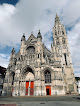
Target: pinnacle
13 50
23 34
51 44
57 18
23 37
39 32
56 15
39 35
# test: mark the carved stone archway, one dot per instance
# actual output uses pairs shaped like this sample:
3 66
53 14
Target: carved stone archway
28 76
26 70
47 68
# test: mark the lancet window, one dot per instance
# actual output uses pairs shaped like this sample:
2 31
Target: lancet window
47 77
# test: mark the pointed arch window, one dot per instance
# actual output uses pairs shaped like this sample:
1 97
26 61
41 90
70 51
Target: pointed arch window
38 55
65 57
57 41
47 76
55 33
63 40
12 74
63 32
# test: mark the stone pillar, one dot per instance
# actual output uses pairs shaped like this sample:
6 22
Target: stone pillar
29 88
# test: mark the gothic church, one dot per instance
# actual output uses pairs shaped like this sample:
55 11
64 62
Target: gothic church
37 71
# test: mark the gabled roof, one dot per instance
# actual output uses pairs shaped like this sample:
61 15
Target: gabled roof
32 37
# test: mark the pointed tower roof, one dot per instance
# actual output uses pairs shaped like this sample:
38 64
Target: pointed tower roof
57 18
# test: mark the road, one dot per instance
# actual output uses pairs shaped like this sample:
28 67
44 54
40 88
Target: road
68 100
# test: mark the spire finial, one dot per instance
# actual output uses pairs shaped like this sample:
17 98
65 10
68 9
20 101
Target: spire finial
23 34
56 15
57 18
32 33
39 35
39 32
13 50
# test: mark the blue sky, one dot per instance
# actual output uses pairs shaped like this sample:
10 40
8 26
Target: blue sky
24 16
13 2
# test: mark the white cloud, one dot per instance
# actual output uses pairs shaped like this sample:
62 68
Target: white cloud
6 11
28 16
74 41
32 15
24 17
4 60
71 12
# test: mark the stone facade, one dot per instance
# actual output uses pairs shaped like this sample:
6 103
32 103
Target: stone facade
35 70
2 76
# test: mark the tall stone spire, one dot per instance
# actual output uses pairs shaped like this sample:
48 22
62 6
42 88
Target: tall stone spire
57 20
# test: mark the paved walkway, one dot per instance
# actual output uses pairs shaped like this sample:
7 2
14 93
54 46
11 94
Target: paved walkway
69 100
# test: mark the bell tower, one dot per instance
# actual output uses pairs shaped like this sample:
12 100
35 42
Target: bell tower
62 53
60 43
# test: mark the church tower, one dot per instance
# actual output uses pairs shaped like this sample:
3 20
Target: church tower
62 54
35 70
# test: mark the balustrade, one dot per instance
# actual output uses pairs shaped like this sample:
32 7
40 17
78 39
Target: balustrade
30 56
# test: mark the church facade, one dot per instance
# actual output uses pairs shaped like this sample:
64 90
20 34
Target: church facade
37 71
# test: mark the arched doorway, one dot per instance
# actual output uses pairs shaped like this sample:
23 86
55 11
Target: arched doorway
29 78
47 82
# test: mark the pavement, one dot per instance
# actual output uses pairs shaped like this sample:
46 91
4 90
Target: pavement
67 100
